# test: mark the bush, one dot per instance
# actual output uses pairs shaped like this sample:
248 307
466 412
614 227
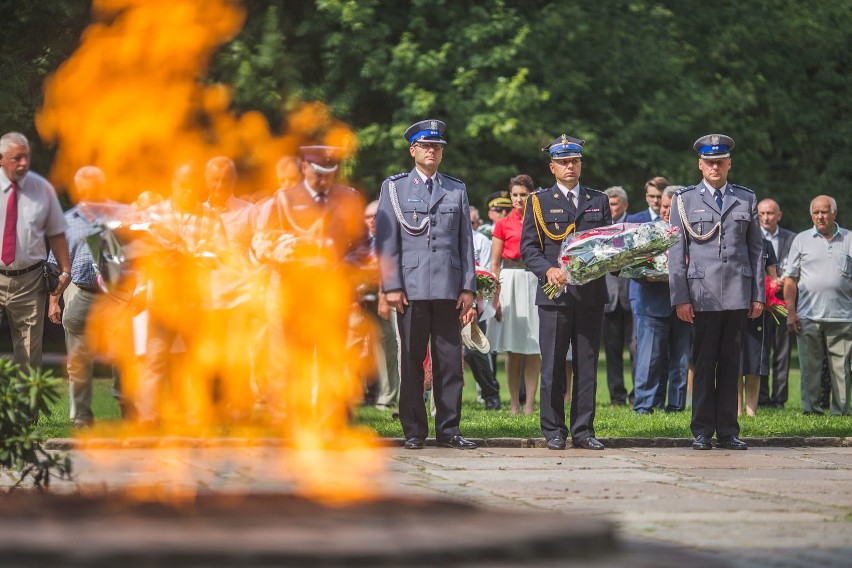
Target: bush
24 397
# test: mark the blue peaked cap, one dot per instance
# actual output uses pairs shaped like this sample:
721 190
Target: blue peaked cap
714 146
565 147
431 130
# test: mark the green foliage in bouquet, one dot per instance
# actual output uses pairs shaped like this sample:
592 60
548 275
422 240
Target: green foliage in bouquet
24 397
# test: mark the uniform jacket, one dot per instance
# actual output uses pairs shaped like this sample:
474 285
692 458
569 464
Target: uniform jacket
438 263
540 255
338 223
723 272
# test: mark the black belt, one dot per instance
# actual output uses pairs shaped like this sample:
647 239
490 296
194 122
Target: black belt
514 263
88 288
21 271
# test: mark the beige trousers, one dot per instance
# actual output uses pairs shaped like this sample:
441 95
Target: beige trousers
23 300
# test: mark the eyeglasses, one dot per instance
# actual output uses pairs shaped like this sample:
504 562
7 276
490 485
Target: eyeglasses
429 146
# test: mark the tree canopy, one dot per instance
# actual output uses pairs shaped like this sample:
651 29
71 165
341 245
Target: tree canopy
639 80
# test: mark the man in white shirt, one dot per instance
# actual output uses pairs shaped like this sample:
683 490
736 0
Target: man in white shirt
819 272
30 215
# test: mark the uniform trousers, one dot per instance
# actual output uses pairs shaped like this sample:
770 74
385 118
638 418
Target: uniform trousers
559 327
23 300
436 321
716 353
78 306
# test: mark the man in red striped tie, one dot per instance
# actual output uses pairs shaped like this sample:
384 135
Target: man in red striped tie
29 211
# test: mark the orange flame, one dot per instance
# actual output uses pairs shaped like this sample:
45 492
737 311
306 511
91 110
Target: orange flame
130 101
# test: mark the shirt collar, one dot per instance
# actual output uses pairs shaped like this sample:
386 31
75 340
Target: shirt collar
654 216
769 235
6 183
565 191
423 177
836 231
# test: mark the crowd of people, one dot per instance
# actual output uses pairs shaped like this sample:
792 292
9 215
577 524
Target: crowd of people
700 337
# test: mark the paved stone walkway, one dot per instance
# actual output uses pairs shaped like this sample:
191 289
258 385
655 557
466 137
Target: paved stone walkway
777 507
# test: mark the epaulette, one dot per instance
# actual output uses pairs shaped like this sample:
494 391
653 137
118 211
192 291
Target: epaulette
741 187
593 190
685 189
397 176
539 190
452 178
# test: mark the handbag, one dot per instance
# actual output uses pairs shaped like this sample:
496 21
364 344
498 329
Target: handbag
51 277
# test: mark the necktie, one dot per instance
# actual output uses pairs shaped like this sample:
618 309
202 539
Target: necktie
429 184
321 199
719 199
572 206
10 230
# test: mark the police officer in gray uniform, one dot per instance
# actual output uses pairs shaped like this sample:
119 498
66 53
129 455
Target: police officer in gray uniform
575 316
425 246
716 281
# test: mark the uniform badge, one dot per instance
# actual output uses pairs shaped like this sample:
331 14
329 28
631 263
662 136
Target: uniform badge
557 211
588 197
434 125
415 216
416 181
714 140
700 211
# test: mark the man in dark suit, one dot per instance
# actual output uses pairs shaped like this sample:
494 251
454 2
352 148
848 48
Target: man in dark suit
716 281
618 318
574 317
425 246
653 196
777 334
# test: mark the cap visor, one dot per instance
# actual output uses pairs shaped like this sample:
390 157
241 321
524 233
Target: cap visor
323 170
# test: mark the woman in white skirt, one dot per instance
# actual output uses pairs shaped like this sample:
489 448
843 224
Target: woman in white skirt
515 331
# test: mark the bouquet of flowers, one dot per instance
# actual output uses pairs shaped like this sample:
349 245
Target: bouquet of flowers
588 255
486 284
774 305
654 269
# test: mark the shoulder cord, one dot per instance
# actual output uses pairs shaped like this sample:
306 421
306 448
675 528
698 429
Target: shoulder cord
410 229
540 221
312 230
717 228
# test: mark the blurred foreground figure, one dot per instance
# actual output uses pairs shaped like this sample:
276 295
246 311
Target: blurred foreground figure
236 295
186 239
31 217
425 247
313 237
80 297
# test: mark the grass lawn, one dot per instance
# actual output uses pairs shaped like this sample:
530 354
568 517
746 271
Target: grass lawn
477 423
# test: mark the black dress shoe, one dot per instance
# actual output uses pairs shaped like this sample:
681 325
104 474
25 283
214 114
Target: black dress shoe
702 442
731 443
414 443
458 442
590 443
492 404
556 443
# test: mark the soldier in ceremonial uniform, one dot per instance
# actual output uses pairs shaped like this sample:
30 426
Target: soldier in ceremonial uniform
716 281
425 246
576 315
317 208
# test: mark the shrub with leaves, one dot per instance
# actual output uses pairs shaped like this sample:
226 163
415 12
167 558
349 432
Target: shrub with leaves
24 397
